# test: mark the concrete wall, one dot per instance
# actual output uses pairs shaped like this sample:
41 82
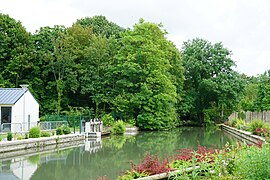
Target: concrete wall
250 116
19 147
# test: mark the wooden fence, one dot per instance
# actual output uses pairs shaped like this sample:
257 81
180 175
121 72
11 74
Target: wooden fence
249 116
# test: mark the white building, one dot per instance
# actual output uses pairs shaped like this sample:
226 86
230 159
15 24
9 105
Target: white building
19 110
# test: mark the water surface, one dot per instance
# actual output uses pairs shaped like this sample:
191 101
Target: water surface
108 157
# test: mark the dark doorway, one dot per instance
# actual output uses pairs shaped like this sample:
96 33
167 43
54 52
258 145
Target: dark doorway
5 118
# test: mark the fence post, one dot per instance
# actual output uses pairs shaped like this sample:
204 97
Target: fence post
80 123
28 122
74 122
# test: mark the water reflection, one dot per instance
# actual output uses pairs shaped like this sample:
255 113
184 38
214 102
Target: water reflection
109 156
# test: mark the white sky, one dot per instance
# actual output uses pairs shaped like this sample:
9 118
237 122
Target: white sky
243 26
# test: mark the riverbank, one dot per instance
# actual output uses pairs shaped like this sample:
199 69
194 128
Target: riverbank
26 146
243 136
207 166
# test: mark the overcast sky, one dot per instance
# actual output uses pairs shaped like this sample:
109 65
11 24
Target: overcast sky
243 26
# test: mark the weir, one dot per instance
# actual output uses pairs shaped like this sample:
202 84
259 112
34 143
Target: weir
93 128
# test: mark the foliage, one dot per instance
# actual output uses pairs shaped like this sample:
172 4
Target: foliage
19 137
59 131
45 134
262 132
34 132
101 26
253 163
257 123
118 127
151 165
144 83
129 175
65 129
237 123
9 136
210 81
26 135
107 120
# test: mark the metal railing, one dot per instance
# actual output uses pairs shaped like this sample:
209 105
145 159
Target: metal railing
17 127
24 127
51 125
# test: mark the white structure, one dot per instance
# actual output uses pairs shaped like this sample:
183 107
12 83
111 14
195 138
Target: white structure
19 110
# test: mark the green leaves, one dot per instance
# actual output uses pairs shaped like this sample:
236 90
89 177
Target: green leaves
209 80
144 77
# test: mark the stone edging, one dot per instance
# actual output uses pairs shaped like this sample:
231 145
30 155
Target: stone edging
242 135
169 174
10 146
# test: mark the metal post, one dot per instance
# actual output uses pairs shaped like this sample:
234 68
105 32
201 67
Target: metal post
80 123
74 123
28 122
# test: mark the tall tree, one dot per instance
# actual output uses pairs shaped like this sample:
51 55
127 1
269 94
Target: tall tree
101 26
144 87
16 51
212 86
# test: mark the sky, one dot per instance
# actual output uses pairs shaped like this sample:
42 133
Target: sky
243 26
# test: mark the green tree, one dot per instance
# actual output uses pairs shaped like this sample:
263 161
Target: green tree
16 52
49 80
249 99
101 26
211 85
143 84
263 98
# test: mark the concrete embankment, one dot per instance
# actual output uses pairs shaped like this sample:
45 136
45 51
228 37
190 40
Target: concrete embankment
242 135
27 146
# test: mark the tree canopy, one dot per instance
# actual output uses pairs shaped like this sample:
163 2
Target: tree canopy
134 74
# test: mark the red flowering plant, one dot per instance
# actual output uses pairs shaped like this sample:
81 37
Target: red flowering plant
262 132
152 165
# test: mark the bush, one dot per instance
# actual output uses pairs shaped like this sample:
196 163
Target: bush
118 127
256 124
253 163
9 136
240 124
59 131
0 138
107 120
26 136
66 129
20 137
34 132
233 122
45 134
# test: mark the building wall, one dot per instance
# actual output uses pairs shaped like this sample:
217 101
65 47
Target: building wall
25 107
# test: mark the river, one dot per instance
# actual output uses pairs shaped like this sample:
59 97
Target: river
110 156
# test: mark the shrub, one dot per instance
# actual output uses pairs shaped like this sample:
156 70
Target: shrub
20 137
256 124
26 136
45 134
233 122
240 124
253 163
9 136
59 131
0 138
118 127
262 132
151 165
107 120
66 129
34 132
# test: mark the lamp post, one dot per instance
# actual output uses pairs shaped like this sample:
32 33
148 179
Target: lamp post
24 87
